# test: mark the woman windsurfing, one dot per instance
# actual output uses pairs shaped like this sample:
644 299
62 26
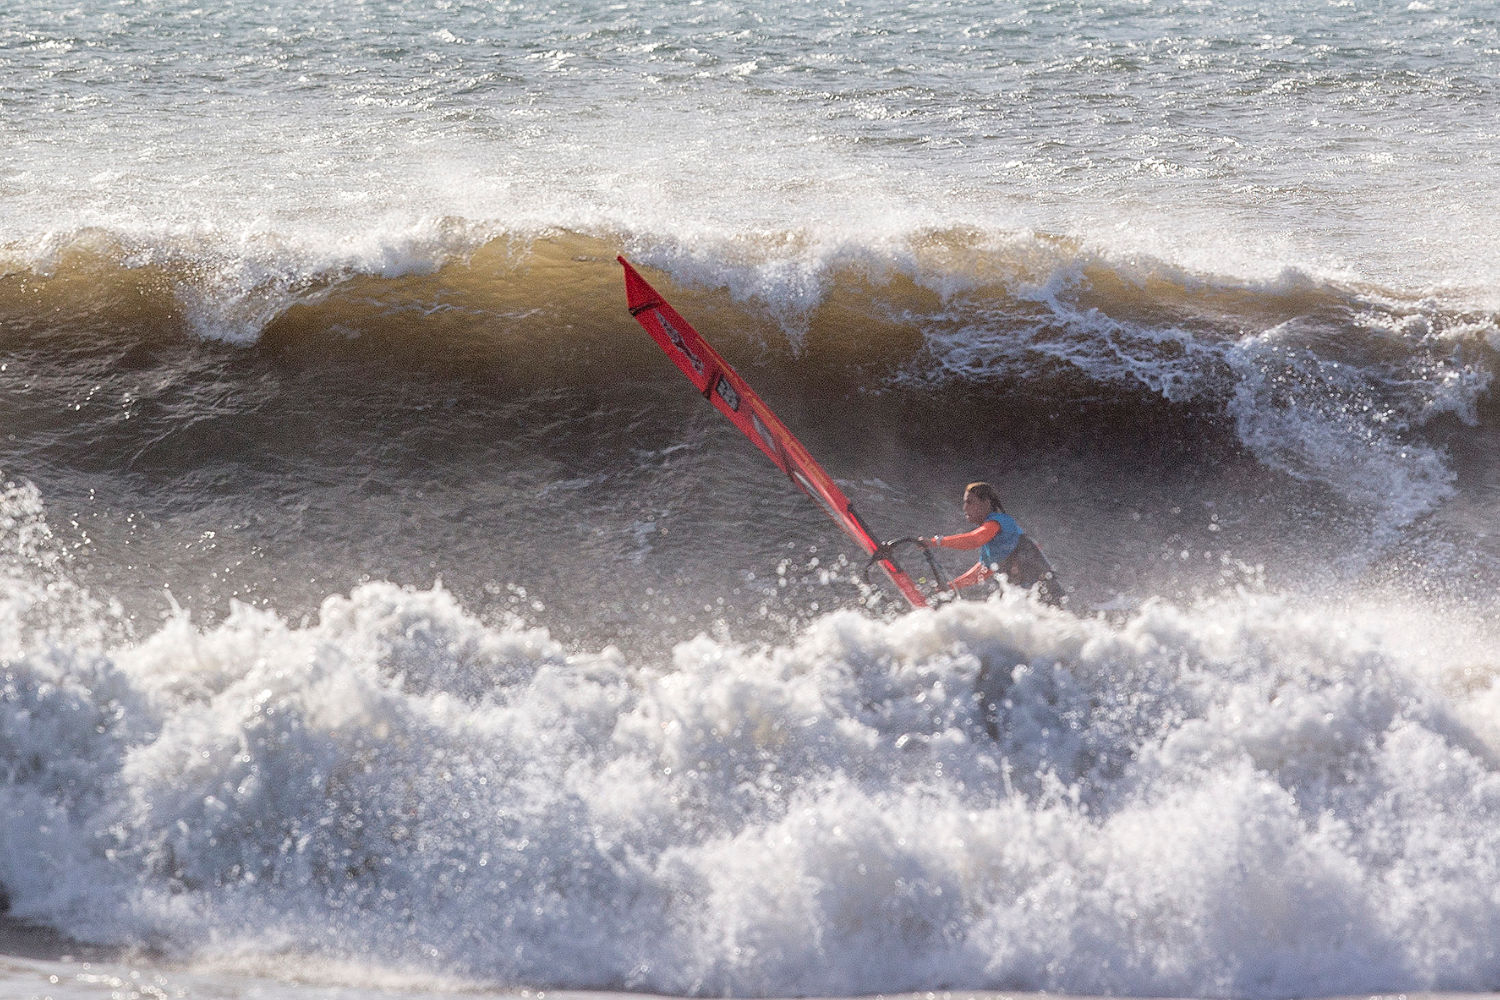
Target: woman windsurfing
1004 549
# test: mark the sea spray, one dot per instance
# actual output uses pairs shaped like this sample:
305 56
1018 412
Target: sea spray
1242 797
371 594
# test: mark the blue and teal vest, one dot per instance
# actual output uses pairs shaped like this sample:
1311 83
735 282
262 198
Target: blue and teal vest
998 549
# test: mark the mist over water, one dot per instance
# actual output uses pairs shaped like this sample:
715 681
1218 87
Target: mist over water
378 604
286 142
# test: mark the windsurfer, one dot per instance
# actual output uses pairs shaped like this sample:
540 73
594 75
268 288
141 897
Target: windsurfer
1004 549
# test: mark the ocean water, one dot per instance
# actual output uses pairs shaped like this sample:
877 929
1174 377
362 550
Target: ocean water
381 613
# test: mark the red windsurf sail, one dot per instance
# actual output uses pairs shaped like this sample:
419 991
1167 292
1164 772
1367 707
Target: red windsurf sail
721 385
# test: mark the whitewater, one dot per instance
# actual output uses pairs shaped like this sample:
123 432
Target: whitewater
381 614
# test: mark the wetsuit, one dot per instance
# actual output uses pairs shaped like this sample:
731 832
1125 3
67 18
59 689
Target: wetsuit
1005 549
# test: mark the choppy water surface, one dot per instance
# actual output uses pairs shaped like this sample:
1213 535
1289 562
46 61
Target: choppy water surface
375 594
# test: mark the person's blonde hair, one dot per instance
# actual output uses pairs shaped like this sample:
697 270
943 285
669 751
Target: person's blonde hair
985 492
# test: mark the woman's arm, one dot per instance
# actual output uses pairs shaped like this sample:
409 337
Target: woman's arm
971 576
969 539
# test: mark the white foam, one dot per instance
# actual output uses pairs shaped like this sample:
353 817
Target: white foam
1252 796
